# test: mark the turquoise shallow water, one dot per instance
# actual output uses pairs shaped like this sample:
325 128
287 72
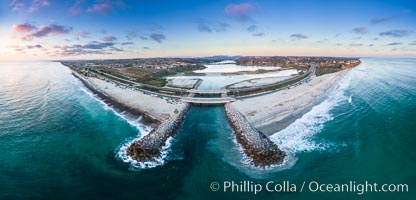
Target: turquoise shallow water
58 142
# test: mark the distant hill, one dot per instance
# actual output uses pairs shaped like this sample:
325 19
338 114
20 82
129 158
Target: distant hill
220 58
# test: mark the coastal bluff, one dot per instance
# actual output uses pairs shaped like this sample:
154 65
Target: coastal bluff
260 150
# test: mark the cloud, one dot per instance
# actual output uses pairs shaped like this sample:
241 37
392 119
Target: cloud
356 44
380 20
93 47
109 38
53 29
223 26
258 34
143 37
145 48
127 43
158 37
360 30
394 43
76 7
38 46
252 28
395 33
412 43
23 28
18 7
82 34
299 36
131 35
240 11
203 26
37 4
42 31
102 31
101 8
32 5
322 41
26 38
206 26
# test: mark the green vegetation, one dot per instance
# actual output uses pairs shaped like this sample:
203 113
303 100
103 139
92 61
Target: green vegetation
155 81
293 66
321 70
154 77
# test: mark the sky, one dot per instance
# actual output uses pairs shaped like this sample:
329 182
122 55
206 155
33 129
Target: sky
112 29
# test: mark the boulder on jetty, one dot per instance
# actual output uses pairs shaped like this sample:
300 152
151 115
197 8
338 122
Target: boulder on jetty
150 146
258 147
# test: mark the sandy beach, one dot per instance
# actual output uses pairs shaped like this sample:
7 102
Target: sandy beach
272 112
155 107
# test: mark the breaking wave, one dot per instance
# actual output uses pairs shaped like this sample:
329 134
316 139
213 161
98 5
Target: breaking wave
299 136
135 165
121 151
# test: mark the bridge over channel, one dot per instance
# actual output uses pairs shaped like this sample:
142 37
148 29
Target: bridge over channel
207 101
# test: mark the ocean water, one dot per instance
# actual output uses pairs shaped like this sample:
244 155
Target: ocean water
57 141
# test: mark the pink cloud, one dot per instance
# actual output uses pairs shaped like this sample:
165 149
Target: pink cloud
109 38
82 34
240 11
37 4
23 28
100 8
25 6
76 8
53 29
18 7
26 38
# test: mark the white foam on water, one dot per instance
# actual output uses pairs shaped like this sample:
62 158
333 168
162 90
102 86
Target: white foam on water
136 122
136 165
287 162
299 136
121 151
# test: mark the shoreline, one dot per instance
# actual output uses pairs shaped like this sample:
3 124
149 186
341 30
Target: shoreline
277 110
150 147
279 125
118 106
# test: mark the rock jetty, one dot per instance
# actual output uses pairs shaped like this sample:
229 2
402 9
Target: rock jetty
150 146
258 148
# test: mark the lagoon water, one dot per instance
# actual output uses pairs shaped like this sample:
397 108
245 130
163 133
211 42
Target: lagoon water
214 80
59 142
